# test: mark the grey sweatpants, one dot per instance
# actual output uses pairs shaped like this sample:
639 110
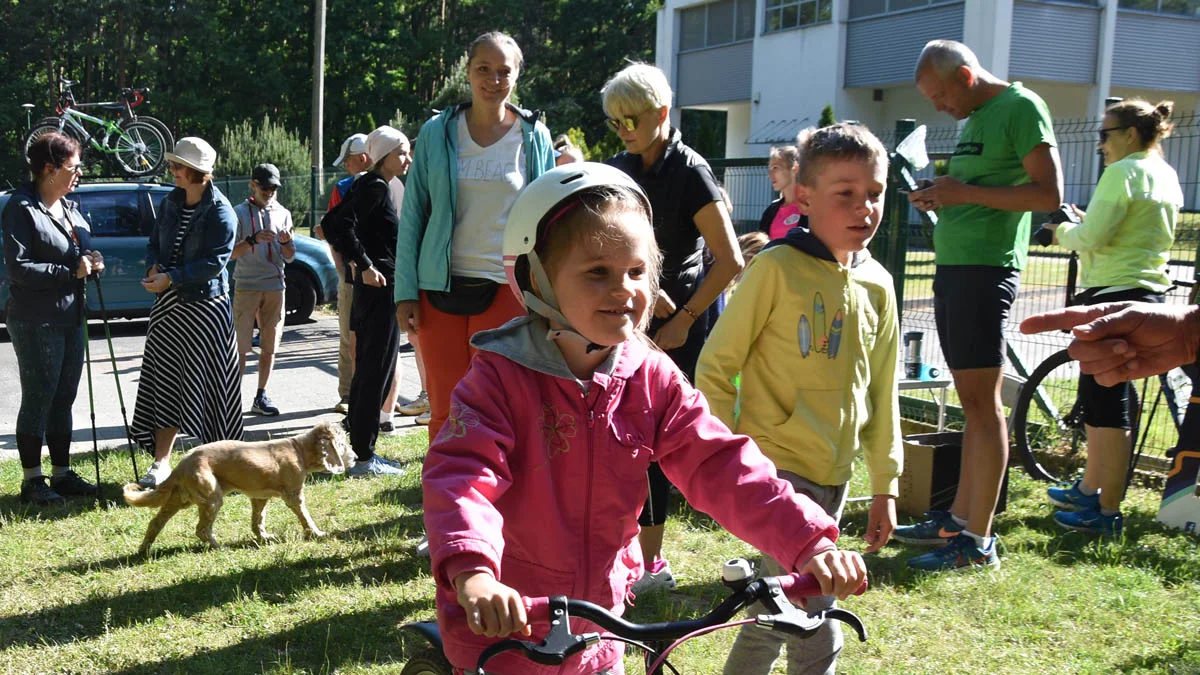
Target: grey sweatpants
755 650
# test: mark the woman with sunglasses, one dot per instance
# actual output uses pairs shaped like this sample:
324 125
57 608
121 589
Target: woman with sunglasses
1124 241
470 163
689 215
47 248
190 378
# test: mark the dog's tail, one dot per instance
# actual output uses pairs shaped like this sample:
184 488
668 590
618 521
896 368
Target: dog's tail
136 496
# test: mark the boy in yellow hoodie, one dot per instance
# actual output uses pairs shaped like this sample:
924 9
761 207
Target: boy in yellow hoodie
813 332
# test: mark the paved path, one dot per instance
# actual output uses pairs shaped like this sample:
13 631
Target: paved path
303 384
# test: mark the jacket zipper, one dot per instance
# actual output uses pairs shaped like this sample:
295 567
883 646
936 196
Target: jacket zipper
587 514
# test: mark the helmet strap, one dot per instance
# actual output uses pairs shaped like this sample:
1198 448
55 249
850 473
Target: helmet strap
548 308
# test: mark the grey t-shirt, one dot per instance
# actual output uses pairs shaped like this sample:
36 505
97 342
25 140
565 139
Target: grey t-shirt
261 268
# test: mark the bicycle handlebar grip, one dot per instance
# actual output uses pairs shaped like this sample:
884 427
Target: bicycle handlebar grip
537 610
799 586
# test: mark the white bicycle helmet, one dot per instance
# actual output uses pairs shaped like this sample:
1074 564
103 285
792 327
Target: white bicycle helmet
542 199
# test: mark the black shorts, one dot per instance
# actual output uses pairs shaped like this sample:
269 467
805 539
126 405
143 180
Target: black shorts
1108 407
971 304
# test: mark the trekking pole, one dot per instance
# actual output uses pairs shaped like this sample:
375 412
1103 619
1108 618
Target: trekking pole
112 357
87 358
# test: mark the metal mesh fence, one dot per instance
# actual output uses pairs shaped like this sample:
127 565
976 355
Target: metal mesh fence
1043 281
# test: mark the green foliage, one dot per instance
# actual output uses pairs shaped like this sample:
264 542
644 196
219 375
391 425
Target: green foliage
827 118
455 89
246 145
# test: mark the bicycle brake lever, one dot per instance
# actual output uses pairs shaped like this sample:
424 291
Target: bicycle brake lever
555 648
796 622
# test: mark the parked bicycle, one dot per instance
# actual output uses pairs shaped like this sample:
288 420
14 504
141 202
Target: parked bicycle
136 145
1048 425
656 640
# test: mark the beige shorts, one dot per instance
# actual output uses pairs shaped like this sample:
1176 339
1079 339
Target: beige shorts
267 307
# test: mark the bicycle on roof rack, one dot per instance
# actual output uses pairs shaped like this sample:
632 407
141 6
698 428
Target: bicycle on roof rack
135 144
656 640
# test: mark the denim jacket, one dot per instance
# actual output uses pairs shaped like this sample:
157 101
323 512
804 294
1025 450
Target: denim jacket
200 273
42 258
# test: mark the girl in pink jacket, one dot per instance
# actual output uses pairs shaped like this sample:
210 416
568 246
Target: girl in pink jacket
533 486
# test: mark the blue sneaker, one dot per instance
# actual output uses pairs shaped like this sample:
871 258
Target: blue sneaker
1072 498
373 467
939 529
1090 521
960 553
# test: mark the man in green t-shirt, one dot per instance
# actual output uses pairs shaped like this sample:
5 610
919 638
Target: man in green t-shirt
1005 165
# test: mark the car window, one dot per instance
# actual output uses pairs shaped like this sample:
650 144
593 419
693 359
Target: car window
111 214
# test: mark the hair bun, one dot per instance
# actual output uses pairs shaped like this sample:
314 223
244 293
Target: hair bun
1163 109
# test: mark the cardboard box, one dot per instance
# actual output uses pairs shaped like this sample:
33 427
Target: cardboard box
930 478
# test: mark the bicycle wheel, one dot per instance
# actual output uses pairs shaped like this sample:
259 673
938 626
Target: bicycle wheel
44 127
139 150
1048 420
168 137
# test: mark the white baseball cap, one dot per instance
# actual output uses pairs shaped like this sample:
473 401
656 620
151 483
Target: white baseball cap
355 145
194 152
383 140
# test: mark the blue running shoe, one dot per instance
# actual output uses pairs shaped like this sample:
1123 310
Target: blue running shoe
1072 498
939 529
960 553
1090 521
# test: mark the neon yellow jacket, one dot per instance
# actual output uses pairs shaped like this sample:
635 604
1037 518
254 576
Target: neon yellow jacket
1125 237
816 344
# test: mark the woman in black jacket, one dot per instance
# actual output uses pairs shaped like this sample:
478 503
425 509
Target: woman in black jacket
190 379
47 248
364 233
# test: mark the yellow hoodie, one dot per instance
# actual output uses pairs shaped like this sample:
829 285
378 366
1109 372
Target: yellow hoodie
816 344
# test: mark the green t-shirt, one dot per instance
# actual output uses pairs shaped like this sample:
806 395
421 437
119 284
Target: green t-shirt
994 140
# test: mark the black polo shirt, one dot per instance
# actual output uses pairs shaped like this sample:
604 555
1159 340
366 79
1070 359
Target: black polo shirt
679 184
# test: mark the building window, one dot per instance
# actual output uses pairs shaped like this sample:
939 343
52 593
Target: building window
784 14
1186 7
863 8
715 24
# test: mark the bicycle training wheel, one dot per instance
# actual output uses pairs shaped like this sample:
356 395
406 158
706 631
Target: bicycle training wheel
1048 420
140 149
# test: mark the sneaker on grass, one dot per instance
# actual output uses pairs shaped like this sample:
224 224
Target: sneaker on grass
937 530
1090 521
373 467
36 491
961 553
1072 498
155 475
657 576
72 484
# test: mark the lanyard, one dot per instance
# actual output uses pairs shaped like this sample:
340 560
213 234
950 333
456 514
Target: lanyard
261 226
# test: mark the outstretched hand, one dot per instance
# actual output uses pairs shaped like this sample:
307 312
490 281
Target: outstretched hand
1121 341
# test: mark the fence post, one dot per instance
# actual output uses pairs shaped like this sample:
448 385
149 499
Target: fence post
895 247
314 178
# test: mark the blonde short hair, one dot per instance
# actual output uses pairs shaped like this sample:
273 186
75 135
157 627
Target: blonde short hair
637 88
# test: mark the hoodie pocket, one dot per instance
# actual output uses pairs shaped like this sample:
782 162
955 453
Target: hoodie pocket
631 435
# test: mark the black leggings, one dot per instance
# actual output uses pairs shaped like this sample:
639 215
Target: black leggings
1108 407
373 319
655 510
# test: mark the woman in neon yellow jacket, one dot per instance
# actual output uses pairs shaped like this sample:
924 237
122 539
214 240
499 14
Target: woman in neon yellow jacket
1123 242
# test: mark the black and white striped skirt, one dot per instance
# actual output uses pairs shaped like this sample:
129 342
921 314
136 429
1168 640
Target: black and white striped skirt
189 376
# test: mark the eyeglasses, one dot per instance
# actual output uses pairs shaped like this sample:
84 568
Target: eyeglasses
77 169
629 123
1104 132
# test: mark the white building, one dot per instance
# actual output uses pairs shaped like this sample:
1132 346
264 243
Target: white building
772 65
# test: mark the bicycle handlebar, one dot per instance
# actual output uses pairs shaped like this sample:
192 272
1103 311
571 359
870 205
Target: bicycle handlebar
773 592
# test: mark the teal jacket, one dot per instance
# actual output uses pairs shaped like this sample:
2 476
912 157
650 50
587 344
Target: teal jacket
430 193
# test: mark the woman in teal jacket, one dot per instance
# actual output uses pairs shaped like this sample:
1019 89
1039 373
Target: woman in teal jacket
1123 241
471 161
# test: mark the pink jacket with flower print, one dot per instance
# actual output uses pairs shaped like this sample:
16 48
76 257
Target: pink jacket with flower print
541 484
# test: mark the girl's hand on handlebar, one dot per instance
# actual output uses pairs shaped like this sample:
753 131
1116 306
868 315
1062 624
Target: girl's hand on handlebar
840 573
493 609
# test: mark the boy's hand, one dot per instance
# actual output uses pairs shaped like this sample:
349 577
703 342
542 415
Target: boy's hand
493 609
664 306
881 522
840 573
673 333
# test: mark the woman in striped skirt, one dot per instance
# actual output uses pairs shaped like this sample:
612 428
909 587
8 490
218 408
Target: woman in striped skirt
190 379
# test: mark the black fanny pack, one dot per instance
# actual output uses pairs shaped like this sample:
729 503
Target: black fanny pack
467 296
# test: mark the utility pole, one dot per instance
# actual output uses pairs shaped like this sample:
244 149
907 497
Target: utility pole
318 106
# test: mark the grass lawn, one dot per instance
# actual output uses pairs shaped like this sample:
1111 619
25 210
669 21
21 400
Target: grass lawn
75 598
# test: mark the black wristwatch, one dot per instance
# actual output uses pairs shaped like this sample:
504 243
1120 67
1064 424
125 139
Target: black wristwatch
252 239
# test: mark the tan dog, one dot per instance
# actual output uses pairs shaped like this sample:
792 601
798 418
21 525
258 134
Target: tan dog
260 470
